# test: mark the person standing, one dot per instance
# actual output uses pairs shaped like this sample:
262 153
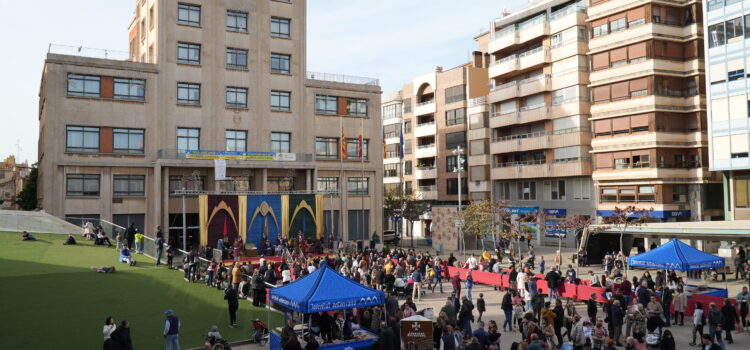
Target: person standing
666 304
592 307
507 306
680 304
172 330
109 327
416 278
559 320
466 316
729 315
617 318
456 283
698 322
230 295
715 321
159 243
469 284
130 235
138 242
553 279
437 277
120 338
742 298
257 284
481 307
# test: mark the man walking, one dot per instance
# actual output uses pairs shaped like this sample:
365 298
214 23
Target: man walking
172 330
230 295
618 316
553 279
715 320
416 278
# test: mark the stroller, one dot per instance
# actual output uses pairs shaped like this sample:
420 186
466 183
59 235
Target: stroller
401 288
260 333
653 330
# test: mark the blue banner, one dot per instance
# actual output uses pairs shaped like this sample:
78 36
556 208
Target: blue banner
560 212
551 230
523 210
263 218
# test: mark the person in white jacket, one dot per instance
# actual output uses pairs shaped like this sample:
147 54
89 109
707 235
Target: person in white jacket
109 327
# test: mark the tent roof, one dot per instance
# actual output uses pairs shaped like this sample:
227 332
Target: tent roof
676 255
325 290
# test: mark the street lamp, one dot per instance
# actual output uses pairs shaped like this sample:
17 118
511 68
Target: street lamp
458 170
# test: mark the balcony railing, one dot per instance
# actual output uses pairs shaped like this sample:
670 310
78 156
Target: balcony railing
520 163
425 103
426 168
518 136
577 7
503 86
342 78
106 54
427 188
432 145
250 156
534 106
478 101
535 78
426 124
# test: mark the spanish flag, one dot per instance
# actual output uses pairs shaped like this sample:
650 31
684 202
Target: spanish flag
385 153
343 144
359 149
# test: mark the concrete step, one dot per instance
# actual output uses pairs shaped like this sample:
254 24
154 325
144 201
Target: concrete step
35 222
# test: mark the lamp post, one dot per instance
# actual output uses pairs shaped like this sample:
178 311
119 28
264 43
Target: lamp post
458 170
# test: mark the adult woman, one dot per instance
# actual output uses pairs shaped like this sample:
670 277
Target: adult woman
639 323
667 341
469 284
449 341
631 309
109 327
698 321
507 306
597 335
570 314
549 334
679 300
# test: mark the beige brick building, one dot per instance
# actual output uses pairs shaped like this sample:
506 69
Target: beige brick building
229 75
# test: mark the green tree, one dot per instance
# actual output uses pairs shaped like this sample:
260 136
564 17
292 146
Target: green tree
411 211
480 219
26 199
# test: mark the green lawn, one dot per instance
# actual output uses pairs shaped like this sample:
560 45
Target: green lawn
52 300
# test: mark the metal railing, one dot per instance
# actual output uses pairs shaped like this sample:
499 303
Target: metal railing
171 153
425 103
427 188
503 60
519 136
106 54
577 7
478 101
426 168
532 22
535 78
499 113
534 106
520 163
432 145
503 86
426 124
342 78
570 130
532 51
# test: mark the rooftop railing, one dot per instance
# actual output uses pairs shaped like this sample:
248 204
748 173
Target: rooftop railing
342 78
106 54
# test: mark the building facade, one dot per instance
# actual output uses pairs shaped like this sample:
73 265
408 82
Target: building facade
726 24
649 109
531 133
116 135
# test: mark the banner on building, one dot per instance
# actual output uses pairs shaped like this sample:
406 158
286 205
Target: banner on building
220 169
253 156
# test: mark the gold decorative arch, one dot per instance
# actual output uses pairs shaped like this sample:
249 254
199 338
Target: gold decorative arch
264 209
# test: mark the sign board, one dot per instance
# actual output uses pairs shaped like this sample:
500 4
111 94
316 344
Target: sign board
252 156
416 334
551 230
220 169
458 223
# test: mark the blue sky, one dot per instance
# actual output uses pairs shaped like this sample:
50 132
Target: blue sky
393 40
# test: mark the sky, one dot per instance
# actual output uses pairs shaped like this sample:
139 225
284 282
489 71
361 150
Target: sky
392 40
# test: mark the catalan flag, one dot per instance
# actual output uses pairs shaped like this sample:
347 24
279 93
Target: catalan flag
385 153
343 144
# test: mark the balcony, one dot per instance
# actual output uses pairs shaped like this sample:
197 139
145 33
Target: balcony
533 58
659 171
503 92
533 113
425 129
391 179
517 143
646 30
503 39
568 48
642 104
540 169
534 29
503 66
649 139
637 68
534 85
206 157
573 76
427 107
425 151
425 172
571 106
568 17
482 159
478 134
426 193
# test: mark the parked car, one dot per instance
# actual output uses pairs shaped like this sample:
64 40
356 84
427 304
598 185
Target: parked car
391 237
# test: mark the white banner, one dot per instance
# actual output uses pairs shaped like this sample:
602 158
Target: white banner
220 169
286 157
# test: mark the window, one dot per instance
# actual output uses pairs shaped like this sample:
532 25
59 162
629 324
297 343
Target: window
188 94
455 139
734 28
234 184
627 194
407 147
600 30
391 170
736 75
716 35
281 142
641 161
236 140
407 127
503 191
739 155
742 192
280 27
280 183
617 25
188 183
188 14
129 89
407 105
622 163
451 163
127 141
357 186
82 185
609 194
407 167
188 139
747 26
326 104
558 190
151 17
526 190
129 185
647 194
582 188
83 85
188 53
392 111
82 139
326 148
328 184
281 101
237 21
352 149
451 186
455 116
455 94
356 107
236 58
236 97
280 63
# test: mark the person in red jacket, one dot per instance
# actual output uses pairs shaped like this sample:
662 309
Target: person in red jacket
456 283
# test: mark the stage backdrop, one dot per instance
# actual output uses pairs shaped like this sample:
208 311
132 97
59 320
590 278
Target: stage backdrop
220 215
264 218
305 212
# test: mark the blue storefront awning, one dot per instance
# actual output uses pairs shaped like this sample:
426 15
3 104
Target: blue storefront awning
523 210
561 212
659 214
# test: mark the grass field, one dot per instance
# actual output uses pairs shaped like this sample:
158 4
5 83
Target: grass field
50 299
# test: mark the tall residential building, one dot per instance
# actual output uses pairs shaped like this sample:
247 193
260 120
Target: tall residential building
531 133
728 26
649 109
431 111
118 138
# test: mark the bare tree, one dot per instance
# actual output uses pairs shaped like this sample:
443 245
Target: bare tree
630 216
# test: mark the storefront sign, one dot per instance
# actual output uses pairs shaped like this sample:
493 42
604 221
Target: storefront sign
560 212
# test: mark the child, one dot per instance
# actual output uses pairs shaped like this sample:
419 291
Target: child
138 242
480 306
518 313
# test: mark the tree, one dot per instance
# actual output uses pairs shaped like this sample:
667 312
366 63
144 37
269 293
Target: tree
478 219
630 216
412 207
26 199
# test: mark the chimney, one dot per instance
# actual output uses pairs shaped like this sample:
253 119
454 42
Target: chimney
438 69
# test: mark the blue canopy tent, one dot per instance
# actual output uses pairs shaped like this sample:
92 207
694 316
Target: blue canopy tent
676 255
326 290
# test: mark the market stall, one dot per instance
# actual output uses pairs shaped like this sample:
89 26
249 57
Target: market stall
326 290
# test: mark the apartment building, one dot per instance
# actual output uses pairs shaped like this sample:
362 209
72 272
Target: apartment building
531 132
119 137
726 24
648 109
431 111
